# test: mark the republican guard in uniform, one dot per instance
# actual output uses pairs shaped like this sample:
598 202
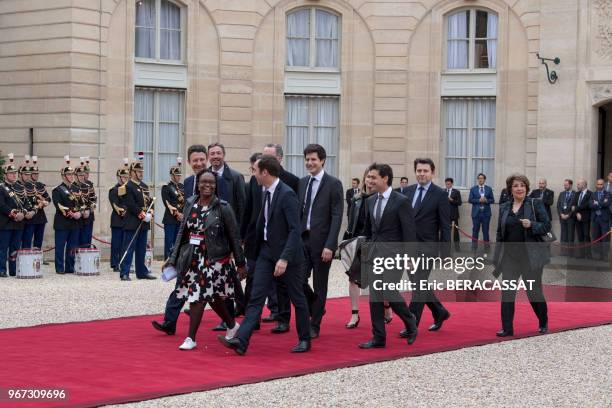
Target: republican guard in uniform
173 196
118 214
66 221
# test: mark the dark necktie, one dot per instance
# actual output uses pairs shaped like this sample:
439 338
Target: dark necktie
568 196
267 206
378 213
222 187
306 209
419 199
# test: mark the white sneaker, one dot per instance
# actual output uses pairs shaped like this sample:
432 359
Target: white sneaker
188 344
230 333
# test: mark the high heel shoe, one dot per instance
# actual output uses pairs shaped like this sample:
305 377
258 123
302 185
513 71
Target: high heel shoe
388 319
353 325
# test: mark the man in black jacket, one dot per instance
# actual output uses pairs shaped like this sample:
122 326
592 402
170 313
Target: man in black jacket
136 197
231 188
545 194
350 194
173 197
454 199
281 256
12 220
403 188
117 216
321 202
389 218
583 218
431 214
567 216
66 221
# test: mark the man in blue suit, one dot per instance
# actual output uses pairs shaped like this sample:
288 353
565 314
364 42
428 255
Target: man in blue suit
197 158
280 256
481 198
600 219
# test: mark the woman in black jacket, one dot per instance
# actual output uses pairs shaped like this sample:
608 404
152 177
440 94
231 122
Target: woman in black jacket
207 239
522 222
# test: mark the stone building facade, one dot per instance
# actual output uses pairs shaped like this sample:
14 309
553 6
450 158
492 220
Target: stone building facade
455 80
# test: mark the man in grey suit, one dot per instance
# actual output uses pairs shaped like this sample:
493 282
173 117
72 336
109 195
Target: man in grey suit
321 206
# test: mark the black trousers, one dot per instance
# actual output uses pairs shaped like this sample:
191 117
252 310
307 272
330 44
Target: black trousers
420 297
377 315
317 296
567 235
583 232
515 268
173 306
263 278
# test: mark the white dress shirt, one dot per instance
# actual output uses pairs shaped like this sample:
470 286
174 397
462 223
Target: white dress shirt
385 200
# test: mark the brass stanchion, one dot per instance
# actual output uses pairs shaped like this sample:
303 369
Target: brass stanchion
452 237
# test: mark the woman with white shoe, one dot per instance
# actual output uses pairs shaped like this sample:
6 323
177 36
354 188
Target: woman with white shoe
207 240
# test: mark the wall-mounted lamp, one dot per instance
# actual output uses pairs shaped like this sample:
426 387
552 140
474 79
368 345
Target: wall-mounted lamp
551 75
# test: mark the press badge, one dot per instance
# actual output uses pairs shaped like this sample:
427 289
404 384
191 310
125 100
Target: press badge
195 239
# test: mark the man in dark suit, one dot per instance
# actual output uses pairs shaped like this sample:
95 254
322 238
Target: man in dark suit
583 218
231 188
350 194
403 188
454 199
504 196
567 216
320 196
389 218
600 219
281 256
431 211
197 159
545 194
481 198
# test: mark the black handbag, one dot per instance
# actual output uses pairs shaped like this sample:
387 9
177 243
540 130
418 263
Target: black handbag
183 260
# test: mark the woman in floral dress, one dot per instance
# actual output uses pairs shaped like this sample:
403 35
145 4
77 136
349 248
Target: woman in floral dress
210 232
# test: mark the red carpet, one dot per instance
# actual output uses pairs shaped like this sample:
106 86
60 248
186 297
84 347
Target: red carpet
122 360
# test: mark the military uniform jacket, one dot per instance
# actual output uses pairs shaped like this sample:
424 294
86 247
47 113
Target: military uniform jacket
119 210
40 217
92 198
134 202
173 196
64 200
9 201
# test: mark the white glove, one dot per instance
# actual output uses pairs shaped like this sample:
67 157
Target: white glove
76 215
86 214
147 217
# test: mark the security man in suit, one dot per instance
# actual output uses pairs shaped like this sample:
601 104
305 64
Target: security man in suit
66 222
89 199
567 216
431 209
403 188
12 217
389 218
582 208
504 196
481 198
117 214
350 194
173 197
281 257
608 186
138 216
34 231
454 199
545 194
600 219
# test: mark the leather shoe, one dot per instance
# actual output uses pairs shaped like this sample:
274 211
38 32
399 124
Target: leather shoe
314 333
302 347
126 278
233 344
411 336
504 333
238 312
438 323
165 327
187 312
269 319
59 273
280 328
220 327
372 344
3 275
543 329
149 277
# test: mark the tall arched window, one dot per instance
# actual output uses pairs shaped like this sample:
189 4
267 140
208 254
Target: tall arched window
471 40
158 30
312 39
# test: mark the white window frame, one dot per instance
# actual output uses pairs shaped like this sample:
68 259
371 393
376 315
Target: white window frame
311 130
313 41
470 142
156 122
157 58
471 42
